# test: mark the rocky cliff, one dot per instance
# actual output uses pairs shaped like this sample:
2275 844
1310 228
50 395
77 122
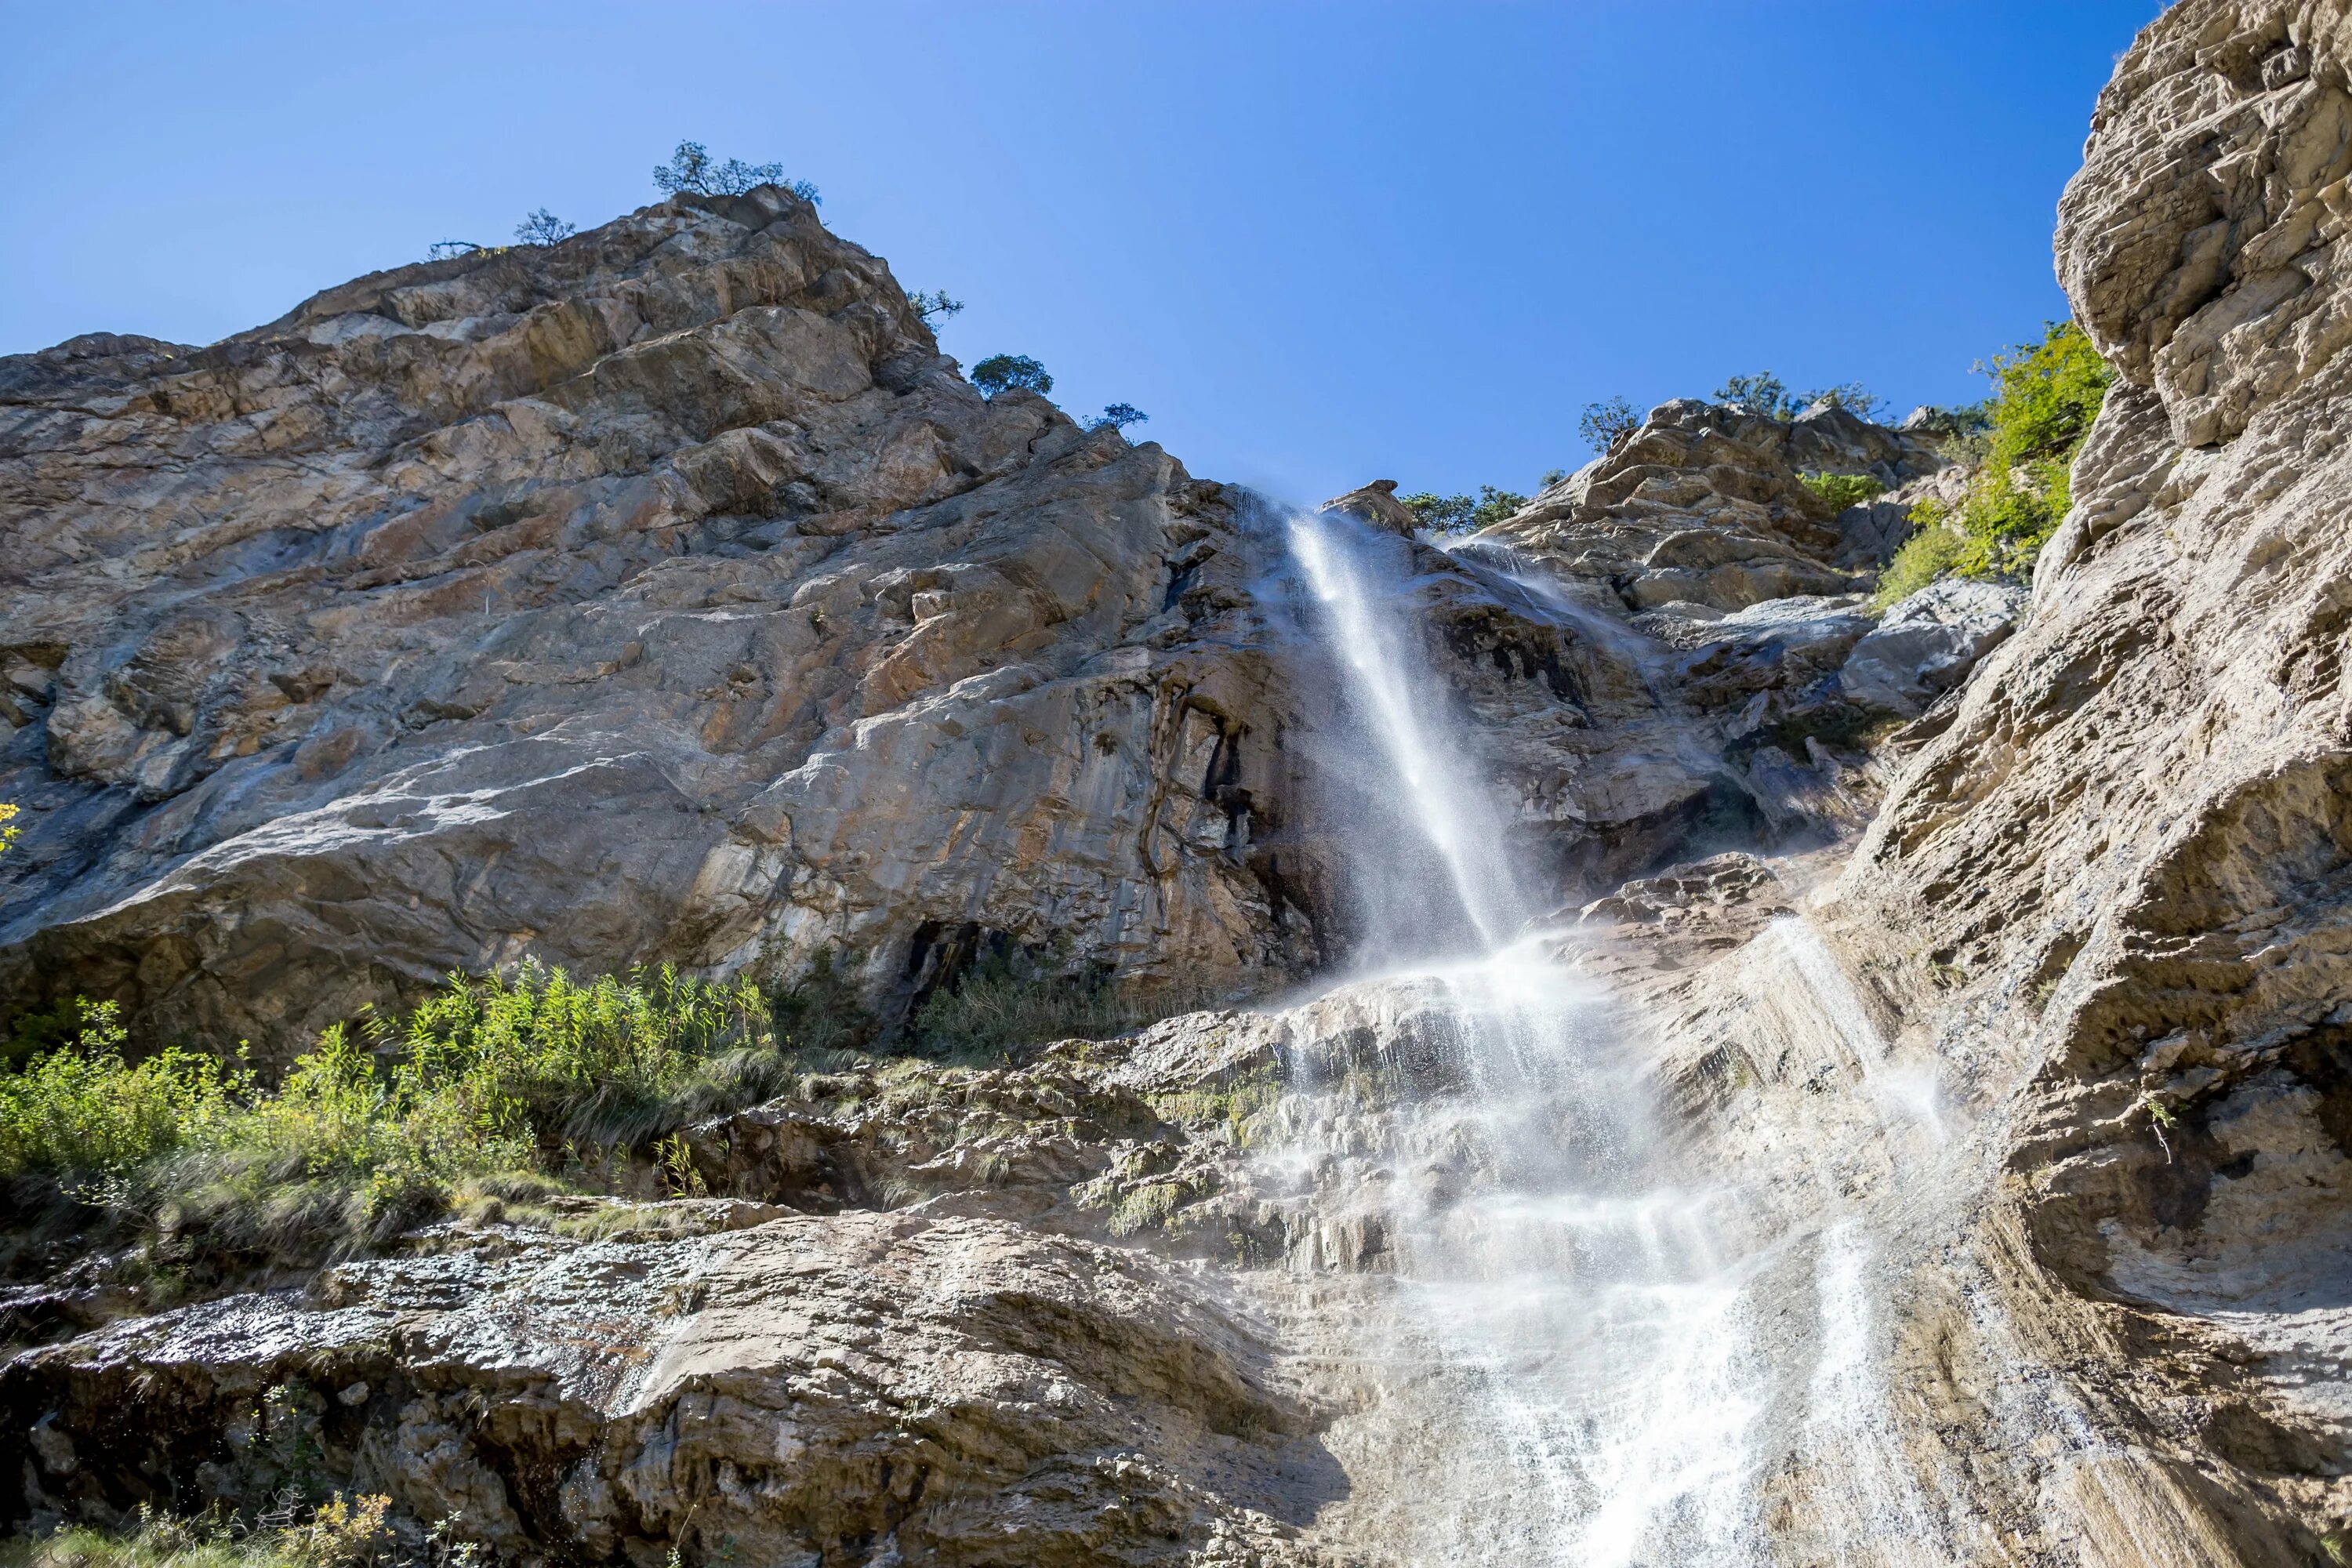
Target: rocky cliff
661 596
2127 853
1941 1030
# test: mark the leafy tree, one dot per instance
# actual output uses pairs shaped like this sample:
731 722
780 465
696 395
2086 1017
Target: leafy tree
1605 421
1460 513
544 228
1445 514
1763 393
1852 396
1001 373
935 303
1118 416
690 172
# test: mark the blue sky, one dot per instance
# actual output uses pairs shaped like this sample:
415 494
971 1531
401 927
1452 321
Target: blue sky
1319 243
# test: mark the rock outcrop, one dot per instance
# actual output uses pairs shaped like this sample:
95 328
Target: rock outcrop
1702 505
2130 848
666 595
659 596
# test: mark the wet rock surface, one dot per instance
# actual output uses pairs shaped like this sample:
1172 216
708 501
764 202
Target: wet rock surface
2031 1124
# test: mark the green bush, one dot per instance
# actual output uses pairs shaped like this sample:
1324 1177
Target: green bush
1604 422
2045 395
1001 373
1461 514
1769 395
1842 490
535 1074
690 172
343 1532
83 1110
1930 552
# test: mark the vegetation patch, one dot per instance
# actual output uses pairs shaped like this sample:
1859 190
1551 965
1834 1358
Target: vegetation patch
1462 513
492 1089
1839 491
2045 395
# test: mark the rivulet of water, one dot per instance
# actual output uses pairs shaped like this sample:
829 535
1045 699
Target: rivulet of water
1585 1350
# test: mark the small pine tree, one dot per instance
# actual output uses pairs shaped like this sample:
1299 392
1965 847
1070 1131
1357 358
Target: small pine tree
934 304
690 172
1118 416
1605 421
544 228
1002 372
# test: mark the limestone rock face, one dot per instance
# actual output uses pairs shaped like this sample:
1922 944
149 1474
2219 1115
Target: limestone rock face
2133 844
1926 645
1702 505
662 595
865 1387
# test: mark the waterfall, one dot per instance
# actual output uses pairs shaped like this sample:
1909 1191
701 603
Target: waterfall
1445 800
1580 1346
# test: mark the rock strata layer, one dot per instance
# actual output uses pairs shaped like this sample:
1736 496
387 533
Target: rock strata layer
661 596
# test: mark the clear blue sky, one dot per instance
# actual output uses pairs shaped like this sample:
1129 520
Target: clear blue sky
1319 243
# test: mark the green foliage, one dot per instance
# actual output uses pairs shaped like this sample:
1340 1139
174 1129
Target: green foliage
1118 416
85 1111
1461 514
544 228
1762 392
1933 550
8 827
934 304
1842 490
2045 395
1852 396
1769 395
691 173
1604 422
539 1073
1001 373
341 1533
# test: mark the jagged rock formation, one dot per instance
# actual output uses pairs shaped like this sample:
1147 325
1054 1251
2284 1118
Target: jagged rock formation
2071 1035
2131 842
663 594
1701 505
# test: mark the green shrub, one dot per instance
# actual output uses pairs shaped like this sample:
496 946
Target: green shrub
537 1073
343 1532
1461 514
2045 395
1842 490
690 172
1001 373
1769 395
1933 550
83 1110
1604 422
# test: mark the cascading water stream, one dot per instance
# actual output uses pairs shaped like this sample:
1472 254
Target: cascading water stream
1585 1356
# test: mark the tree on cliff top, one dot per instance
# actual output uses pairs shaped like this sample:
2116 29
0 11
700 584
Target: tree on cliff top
1002 372
690 172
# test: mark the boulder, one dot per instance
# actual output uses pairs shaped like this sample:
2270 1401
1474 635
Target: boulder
1926 644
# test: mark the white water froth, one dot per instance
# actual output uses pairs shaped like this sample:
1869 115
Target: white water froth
1588 1356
